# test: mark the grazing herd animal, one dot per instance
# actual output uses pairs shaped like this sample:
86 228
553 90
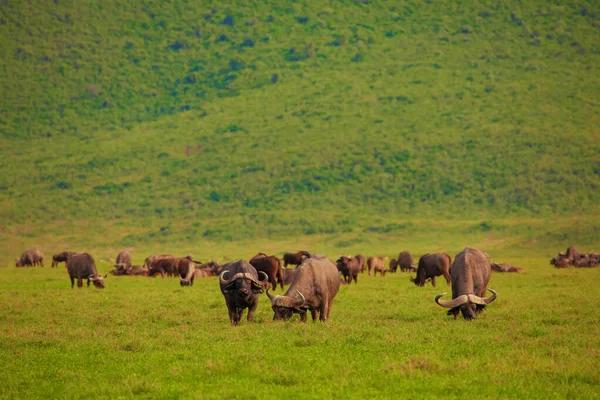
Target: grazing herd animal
572 257
471 272
315 280
314 287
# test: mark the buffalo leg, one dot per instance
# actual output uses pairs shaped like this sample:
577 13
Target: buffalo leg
313 314
433 281
323 310
355 279
447 276
79 282
251 311
72 282
303 316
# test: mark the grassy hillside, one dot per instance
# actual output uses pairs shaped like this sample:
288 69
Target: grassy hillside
136 123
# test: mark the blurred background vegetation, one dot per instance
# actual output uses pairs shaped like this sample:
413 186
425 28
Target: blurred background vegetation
176 123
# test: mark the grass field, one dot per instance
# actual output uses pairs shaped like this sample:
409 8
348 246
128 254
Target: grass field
386 338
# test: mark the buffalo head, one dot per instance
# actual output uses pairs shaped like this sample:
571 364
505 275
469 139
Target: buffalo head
243 284
284 306
467 304
98 280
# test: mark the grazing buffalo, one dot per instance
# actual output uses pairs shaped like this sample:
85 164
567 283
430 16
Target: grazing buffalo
61 257
572 254
212 268
362 262
38 258
82 266
314 287
376 264
505 268
349 268
186 269
291 259
471 274
405 261
393 265
26 259
271 266
430 266
124 259
240 286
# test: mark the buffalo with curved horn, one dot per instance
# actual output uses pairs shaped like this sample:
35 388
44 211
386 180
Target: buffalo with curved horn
314 287
470 275
240 287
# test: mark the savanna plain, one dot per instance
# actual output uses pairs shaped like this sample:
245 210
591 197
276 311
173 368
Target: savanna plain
221 129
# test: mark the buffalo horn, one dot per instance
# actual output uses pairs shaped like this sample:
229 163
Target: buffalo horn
478 300
459 301
303 299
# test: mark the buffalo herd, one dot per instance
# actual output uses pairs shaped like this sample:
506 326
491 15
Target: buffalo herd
314 280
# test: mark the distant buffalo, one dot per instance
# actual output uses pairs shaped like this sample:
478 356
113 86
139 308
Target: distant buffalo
376 264
240 286
26 259
572 254
61 257
393 266
471 272
186 270
362 262
430 266
124 259
349 268
292 259
314 287
405 261
213 268
271 266
505 268
82 266
163 264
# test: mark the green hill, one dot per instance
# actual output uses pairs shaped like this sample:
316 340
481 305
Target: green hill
128 123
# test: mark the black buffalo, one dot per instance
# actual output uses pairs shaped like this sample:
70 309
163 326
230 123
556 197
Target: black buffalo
240 287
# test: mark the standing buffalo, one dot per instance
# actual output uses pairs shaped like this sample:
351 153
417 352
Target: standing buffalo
376 264
61 257
471 274
291 259
38 258
314 287
240 286
271 266
82 266
362 262
405 261
124 259
432 265
161 264
349 268
393 265
186 269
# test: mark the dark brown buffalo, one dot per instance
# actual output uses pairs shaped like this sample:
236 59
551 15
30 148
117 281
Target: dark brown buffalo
163 264
314 287
61 257
561 261
376 264
26 259
240 287
430 266
572 254
362 262
393 265
186 270
405 261
82 266
124 259
271 266
135 270
585 262
291 259
349 268
471 274
505 268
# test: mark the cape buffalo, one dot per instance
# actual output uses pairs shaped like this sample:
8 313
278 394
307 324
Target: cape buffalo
135 270
202 273
124 259
362 262
393 265
61 257
38 258
161 264
405 261
471 274
240 287
186 270
314 287
26 259
376 264
271 266
291 259
430 266
82 266
213 268
572 254
505 268
349 268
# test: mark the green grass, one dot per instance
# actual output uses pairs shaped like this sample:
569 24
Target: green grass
386 337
